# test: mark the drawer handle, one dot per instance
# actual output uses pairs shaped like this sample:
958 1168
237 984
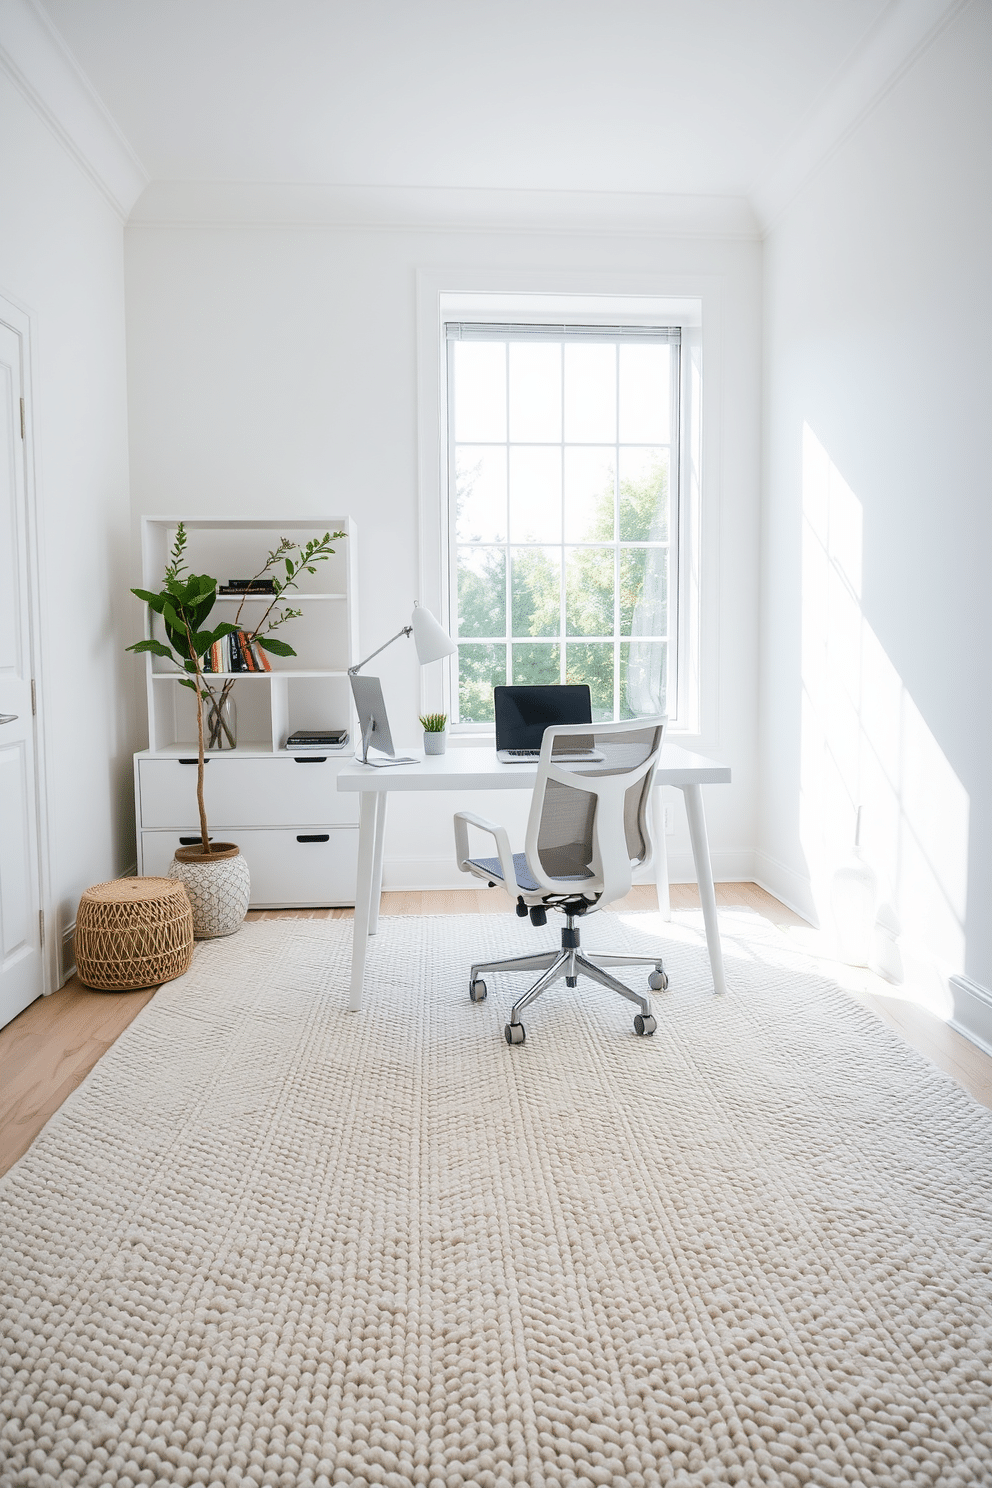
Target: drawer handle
192 841
314 837
193 761
310 759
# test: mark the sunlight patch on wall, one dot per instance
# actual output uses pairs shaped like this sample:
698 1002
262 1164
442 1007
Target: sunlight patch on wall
865 742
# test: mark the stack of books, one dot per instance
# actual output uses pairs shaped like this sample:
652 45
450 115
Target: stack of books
235 653
248 586
317 741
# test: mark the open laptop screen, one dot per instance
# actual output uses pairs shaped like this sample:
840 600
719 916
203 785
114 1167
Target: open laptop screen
523 713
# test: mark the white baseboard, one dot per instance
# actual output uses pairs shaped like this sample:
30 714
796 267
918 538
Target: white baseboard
406 875
791 888
972 1011
730 865
67 955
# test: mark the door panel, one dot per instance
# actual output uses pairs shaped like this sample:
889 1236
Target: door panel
21 969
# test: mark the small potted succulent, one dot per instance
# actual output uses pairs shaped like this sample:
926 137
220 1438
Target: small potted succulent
435 727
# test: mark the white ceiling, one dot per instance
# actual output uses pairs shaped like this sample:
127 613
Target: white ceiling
661 96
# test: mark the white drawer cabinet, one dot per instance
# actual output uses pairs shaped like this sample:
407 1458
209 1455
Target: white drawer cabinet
297 832
289 867
253 791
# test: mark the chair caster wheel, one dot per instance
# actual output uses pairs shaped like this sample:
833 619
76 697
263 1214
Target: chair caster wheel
478 991
658 981
644 1023
514 1033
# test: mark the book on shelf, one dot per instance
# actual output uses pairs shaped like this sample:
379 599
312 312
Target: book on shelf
316 740
248 586
247 655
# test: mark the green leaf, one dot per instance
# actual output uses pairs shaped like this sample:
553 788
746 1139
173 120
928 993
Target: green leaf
289 568
185 682
156 601
278 648
155 647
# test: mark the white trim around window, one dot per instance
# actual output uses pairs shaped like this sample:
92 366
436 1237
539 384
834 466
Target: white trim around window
518 298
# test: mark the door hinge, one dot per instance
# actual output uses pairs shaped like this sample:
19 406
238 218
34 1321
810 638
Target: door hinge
41 926
34 699
22 418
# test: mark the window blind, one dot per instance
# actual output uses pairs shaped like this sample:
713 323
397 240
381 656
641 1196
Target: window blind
483 331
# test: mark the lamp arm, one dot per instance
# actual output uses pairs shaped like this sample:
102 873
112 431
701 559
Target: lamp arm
353 670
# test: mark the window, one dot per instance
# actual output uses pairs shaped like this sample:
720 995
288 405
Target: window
563 482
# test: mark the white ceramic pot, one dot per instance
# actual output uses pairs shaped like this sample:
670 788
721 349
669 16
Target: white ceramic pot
435 743
219 887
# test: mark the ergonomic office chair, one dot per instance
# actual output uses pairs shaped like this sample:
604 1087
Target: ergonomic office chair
588 829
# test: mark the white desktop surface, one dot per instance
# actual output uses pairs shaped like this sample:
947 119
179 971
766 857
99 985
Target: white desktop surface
468 768
474 768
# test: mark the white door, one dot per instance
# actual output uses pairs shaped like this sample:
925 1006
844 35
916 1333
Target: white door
21 969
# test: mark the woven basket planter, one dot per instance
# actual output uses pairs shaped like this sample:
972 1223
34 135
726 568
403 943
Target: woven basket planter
219 887
133 932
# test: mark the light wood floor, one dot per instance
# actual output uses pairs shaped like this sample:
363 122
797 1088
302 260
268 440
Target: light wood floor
52 1046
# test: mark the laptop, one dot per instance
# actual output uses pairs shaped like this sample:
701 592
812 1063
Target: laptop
523 713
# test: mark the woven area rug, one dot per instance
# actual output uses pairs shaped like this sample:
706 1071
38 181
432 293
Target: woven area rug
271 1242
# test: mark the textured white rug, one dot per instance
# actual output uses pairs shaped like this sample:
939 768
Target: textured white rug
269 1242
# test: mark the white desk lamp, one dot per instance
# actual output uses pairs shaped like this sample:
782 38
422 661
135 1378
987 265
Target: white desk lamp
432 643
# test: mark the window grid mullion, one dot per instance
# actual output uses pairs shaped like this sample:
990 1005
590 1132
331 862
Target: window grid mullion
562 661
508 576
616 547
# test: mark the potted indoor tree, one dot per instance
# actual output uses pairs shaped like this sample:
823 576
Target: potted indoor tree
215 873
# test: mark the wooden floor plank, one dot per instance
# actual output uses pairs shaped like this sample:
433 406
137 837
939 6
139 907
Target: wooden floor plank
51 1047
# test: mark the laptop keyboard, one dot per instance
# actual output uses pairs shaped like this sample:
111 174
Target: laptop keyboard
575 754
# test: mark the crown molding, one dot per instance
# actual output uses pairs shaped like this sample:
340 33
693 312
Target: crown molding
466 209
903 32
39 64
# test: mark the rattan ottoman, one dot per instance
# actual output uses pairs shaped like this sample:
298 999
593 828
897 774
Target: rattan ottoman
133 932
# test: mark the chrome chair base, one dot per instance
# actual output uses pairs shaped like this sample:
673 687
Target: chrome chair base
570 964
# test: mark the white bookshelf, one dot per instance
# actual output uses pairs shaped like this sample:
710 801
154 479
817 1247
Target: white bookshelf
284 811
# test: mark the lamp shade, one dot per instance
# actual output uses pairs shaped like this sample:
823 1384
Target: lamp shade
431 641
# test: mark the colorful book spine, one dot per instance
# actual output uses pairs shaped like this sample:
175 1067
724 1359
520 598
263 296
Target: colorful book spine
244 645
261 656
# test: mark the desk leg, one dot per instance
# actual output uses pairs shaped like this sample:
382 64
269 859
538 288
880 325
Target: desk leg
380 837
704 878
661 856
368 817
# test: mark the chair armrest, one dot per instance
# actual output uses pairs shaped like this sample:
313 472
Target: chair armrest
466 819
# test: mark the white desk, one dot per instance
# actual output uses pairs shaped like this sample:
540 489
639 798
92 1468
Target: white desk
470 769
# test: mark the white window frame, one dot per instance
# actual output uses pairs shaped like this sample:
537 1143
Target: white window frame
444 295
572 333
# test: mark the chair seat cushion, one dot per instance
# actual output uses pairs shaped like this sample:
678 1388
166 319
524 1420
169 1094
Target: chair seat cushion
523 875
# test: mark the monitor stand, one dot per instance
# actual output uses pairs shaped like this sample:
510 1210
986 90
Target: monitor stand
380 764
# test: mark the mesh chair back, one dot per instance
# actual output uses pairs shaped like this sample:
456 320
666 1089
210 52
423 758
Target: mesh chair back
589 823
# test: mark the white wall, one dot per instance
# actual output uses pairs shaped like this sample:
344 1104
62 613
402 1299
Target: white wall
876 675
275 368
61 258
